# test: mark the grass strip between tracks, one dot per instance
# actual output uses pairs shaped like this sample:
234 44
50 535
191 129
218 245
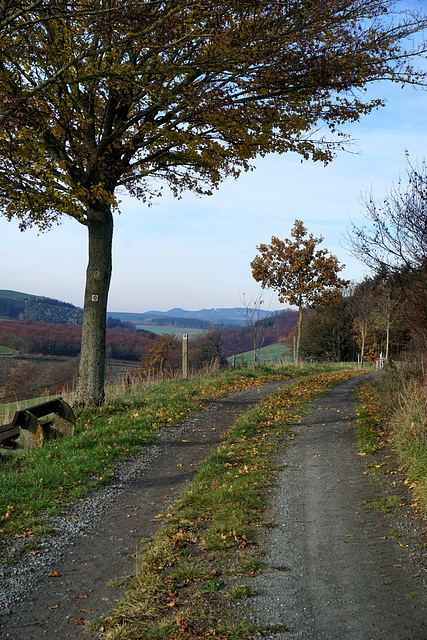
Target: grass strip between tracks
199 566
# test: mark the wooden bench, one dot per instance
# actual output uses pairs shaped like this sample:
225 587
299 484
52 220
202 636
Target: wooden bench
27 430
8 435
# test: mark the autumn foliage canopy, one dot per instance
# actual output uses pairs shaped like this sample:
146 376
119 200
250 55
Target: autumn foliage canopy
103 96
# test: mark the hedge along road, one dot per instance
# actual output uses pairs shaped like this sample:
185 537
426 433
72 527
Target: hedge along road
335 569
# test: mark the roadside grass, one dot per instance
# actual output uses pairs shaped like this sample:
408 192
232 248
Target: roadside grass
200 564
393 413
40 482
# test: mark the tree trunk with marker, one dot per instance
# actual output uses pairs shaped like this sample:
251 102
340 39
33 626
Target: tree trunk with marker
90 383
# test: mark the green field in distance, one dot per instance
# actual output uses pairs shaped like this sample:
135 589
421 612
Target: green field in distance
272 353
177 331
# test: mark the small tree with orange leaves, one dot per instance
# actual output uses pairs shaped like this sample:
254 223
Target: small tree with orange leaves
301 275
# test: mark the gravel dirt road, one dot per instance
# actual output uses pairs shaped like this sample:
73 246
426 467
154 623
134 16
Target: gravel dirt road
334 568
51 594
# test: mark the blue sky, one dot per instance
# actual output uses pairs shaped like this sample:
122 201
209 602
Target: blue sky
195 253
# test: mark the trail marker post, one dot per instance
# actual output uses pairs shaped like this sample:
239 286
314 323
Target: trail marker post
185 356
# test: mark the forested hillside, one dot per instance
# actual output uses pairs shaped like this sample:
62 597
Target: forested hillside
22 306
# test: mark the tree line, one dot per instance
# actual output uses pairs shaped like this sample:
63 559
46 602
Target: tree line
369 321
393 244
150 354
124 342
170 321
213 346
64 340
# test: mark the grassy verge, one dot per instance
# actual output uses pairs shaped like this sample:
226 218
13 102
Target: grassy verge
392 416
200 564
370 423
38 482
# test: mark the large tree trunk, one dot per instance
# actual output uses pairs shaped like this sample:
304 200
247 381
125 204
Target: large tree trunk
90 382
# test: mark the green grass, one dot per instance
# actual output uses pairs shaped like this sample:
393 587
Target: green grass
209 543
177 331
42 480
5 351
385 503
209 548
392 413
272 353
369 429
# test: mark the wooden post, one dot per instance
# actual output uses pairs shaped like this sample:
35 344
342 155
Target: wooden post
185 356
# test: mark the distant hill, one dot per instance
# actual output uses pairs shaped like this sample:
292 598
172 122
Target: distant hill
15 305
234 316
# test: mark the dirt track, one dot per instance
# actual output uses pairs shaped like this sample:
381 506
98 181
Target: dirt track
334 569
104 549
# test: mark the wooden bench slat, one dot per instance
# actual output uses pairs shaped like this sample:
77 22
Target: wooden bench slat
8 431
36 430
38 410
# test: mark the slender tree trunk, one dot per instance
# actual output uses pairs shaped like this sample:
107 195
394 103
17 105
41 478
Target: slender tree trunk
362 347
90 382
300 313
387 339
